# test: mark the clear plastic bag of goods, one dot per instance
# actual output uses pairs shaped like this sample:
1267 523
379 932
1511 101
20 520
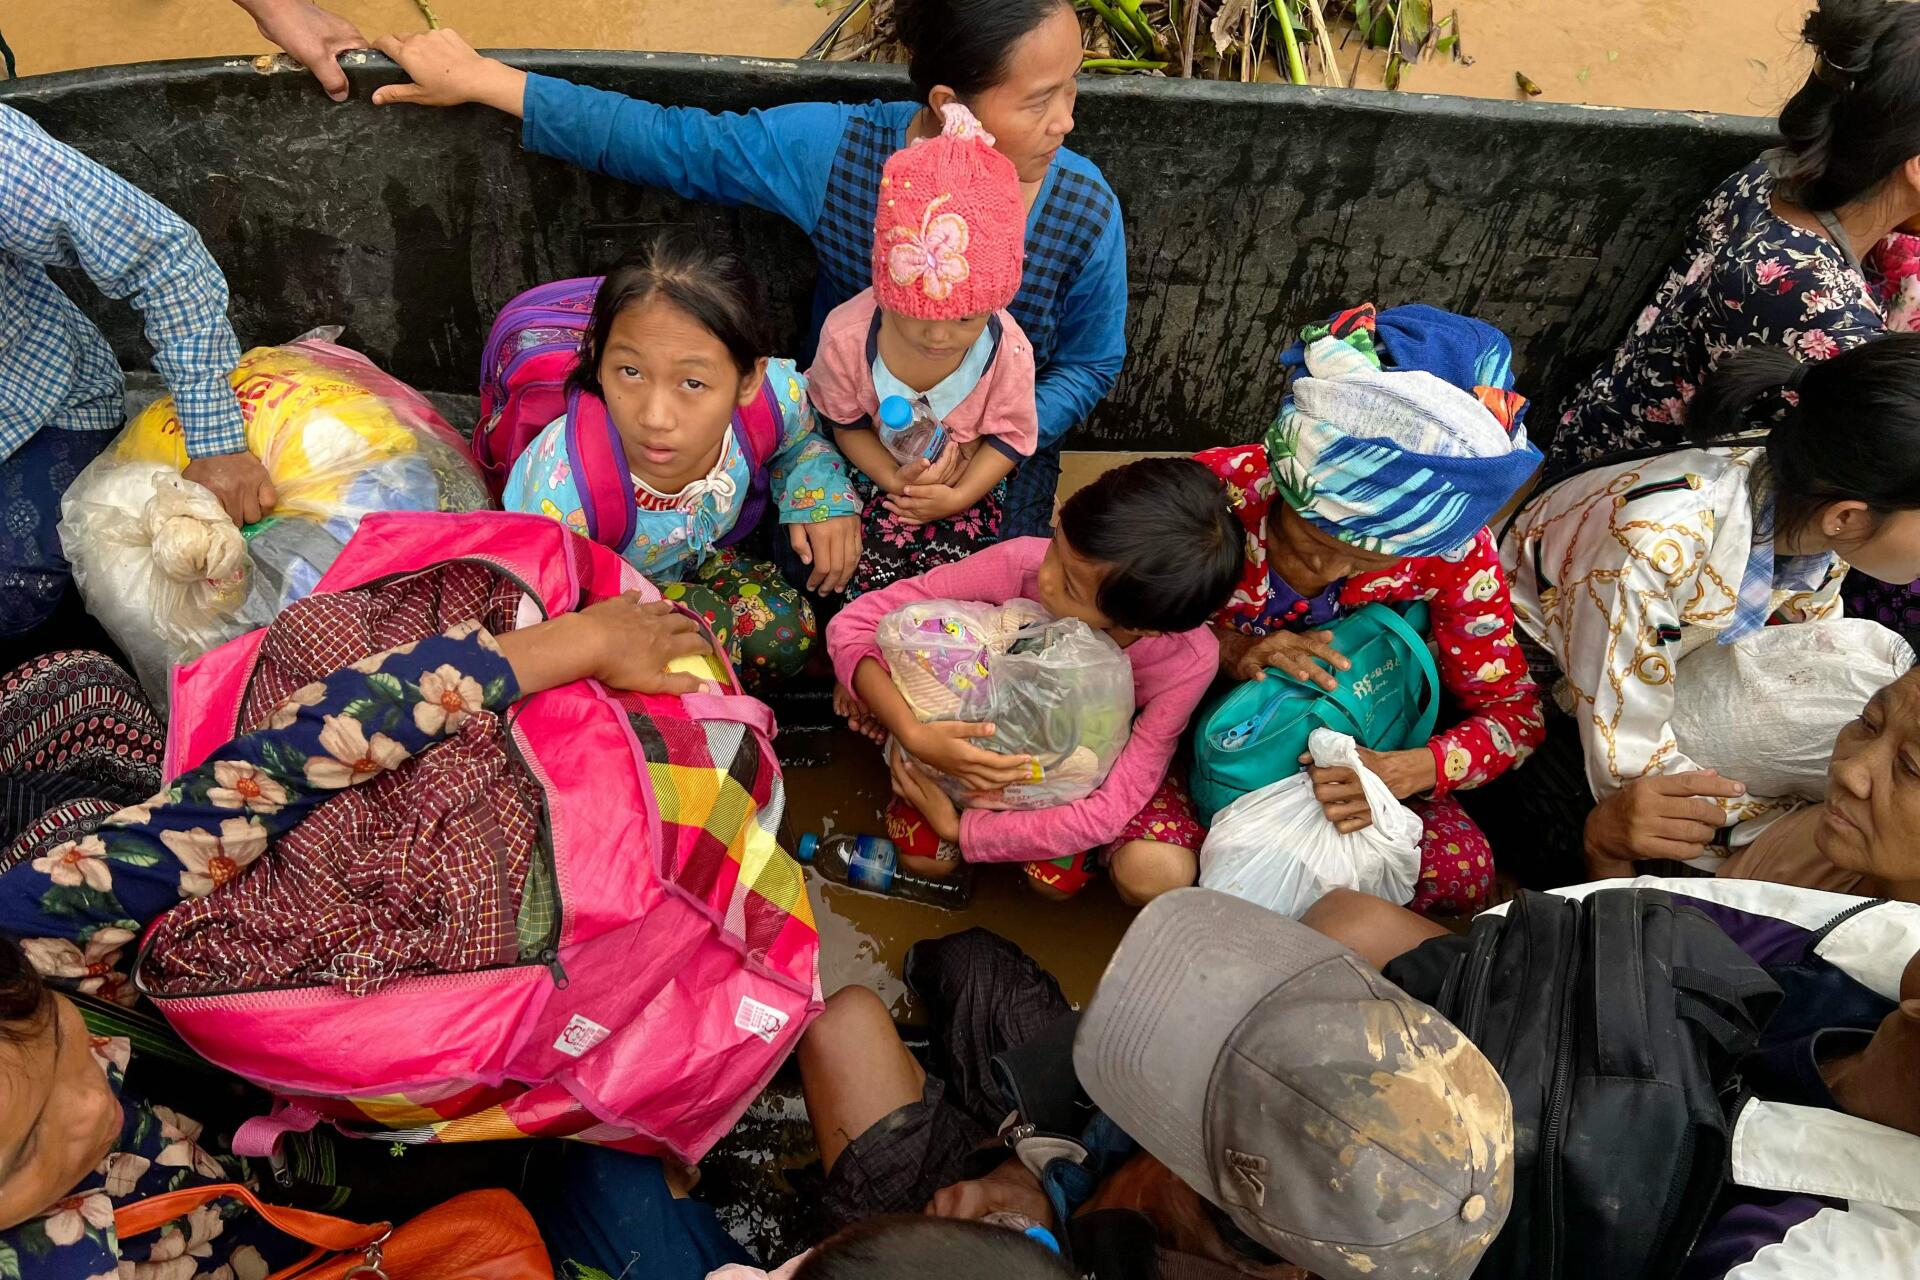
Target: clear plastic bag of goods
1765 709
1275 846
1053 688
167 573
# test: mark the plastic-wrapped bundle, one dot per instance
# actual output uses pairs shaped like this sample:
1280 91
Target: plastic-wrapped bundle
163 568
1054 689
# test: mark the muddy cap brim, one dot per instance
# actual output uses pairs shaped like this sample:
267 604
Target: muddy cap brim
1339 1122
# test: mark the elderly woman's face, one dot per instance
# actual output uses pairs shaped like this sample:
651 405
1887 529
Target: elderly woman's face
1872 819
58 1116
1293 540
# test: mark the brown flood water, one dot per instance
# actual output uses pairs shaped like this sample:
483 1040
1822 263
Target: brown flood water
1738 56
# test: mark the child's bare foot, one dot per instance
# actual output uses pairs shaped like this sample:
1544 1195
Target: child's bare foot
847 704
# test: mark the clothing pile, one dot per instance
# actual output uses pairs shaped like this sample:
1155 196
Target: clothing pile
170 576
427 869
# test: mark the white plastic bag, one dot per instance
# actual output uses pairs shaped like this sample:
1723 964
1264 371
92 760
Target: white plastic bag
1276 848
1053 688
1766 709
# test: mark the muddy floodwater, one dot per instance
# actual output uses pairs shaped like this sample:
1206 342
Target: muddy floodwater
1738 56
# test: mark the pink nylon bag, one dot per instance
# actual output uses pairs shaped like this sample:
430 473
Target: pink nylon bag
684 963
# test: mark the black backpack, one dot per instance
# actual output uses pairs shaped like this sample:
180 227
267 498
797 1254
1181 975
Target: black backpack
1615 1022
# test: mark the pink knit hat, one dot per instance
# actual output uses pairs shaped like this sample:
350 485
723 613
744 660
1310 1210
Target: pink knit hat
952 225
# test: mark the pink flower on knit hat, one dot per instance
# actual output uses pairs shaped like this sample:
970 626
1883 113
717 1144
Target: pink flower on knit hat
934 256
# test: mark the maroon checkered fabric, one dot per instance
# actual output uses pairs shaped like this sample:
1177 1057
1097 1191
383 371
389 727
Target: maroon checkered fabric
417 871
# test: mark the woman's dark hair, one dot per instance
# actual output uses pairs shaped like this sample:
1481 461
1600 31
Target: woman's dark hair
1167 530
1845 429
23 997
919 1248
1857 118
966 44
713 285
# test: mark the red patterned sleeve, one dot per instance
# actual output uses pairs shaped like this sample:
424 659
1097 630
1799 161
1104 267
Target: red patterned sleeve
1482 666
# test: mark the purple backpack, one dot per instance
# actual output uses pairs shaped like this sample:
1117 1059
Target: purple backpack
531 351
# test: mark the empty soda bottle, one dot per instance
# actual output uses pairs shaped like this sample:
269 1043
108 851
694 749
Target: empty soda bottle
872 864
909 430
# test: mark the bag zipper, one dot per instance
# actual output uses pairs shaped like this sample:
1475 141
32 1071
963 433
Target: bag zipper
1820 934
1554 1122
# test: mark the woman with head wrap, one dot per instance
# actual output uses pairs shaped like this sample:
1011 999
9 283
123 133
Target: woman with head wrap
1376 485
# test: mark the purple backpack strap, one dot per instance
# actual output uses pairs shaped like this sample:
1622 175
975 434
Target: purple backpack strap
758 427
600 472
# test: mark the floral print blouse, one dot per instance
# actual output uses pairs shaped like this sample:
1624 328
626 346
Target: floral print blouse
78 909
673 536
1745 278
1481 665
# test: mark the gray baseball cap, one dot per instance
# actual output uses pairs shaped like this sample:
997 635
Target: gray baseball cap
1338 1121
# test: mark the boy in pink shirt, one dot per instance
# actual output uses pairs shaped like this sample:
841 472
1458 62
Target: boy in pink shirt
1146 553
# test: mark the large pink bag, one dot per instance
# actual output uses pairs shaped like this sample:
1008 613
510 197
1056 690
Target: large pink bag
683 966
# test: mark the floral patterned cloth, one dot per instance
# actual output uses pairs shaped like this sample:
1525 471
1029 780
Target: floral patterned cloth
766 627
1745 278
1456 861
673 535
78 908
892 549
159 1151
1621 571
1480 661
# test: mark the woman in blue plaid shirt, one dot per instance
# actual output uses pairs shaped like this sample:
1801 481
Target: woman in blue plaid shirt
1011 62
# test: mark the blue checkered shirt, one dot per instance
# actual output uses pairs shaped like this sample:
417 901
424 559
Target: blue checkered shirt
819 165
60 209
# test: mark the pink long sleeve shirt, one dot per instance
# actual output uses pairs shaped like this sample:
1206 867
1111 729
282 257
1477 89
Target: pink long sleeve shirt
1171 674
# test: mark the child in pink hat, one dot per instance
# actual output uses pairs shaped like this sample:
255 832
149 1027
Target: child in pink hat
932 342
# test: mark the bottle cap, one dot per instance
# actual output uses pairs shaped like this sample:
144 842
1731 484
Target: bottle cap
1043 1237
809 845
896 412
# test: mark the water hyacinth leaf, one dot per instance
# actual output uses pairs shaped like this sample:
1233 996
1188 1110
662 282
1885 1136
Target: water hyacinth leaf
1416 24
1447 44
1527 86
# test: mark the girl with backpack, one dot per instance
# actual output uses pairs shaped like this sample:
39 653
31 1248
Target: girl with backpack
1622 570
932 342
677 428
1012 63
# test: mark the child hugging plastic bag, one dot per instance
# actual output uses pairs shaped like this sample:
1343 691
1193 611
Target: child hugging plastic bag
165 570
1055 690
977 696
680 435
925 380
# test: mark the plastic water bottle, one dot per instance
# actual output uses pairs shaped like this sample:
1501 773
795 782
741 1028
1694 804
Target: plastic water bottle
909 430
872 864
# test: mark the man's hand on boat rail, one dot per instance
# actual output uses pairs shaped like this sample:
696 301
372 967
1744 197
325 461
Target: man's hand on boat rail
315 38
